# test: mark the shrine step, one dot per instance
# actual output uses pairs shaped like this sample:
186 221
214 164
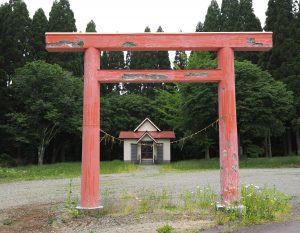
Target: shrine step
147 161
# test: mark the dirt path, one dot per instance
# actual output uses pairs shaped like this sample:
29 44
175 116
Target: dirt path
39 193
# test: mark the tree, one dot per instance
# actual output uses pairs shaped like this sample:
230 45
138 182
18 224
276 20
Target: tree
282 62
15 50
39 27
163 61
263 104
199 27
61 19
91 27
212 21
180 60
15 33
229 15
200 106
53 103
248 22
141 60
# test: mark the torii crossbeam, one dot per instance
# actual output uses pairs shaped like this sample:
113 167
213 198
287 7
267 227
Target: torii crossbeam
225 43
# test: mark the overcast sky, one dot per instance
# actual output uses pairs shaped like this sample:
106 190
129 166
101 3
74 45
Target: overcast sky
135 15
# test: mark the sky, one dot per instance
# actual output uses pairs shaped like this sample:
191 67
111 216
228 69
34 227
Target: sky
135 15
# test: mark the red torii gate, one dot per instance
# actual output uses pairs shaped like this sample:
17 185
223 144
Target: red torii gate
225 43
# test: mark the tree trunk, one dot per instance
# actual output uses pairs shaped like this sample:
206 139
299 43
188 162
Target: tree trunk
54 152
207 155
298 140
289 142
285 150
63 152
266 145
270 144
240 150
41 153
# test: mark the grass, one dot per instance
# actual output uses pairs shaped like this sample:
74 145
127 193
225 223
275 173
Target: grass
275 162
260 205
59 171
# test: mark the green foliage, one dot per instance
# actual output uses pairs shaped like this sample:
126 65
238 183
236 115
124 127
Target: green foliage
168 106
248 22
165 229
148 60
39 27
262 102
71 203
6 160
91 27
180 60
199 27
229 16
263 204
124 112
212 21
53 102
253 151
15 31
163 61
61 19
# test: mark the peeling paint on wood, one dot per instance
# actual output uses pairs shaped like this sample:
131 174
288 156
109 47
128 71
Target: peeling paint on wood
197 75
144 76
234 168
224 153
252 41
234 156
228 144
63 43
129 44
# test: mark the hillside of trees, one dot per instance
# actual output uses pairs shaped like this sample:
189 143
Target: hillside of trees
41 92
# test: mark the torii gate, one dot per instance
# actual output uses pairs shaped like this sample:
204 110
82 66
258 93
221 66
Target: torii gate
225 43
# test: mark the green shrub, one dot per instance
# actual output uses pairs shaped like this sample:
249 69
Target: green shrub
6 160
253 151
263 204
165 229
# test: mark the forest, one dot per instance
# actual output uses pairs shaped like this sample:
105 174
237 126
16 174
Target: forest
41 92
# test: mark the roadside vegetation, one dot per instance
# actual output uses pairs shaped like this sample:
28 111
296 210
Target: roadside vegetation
59 171
196 165
259 204
73 169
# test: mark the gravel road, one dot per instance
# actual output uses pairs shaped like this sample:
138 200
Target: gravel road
48 191
38 193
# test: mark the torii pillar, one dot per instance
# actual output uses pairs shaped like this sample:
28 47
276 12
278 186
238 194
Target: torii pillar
225 43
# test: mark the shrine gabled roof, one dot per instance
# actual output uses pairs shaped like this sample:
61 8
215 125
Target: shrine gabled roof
153 134
143 122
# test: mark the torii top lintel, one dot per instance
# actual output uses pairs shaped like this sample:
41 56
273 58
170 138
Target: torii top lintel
205 41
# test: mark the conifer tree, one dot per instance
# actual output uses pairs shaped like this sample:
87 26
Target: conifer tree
142 60
163 61
283 61
248 22
199 27
91 27
229 15
39 27
61 19
212 21
15 35
180 60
